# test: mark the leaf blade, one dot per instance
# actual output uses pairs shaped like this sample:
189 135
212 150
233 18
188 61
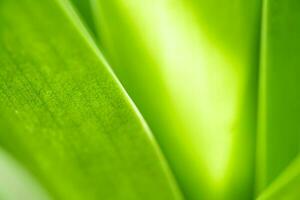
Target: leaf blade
79 133
204 79
278 133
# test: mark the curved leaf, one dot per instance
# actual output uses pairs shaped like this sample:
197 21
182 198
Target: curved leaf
199 60
75 128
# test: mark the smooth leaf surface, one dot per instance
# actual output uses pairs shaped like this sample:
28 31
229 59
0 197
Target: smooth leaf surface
74 127
279 105
191 66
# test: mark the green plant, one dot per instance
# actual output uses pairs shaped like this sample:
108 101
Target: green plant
216 81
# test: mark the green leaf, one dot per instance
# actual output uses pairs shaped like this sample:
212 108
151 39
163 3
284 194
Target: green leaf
74 127
191 68
286 186
68 130
279 105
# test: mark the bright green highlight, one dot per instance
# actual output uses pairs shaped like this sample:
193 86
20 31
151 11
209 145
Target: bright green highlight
186 74
199 119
